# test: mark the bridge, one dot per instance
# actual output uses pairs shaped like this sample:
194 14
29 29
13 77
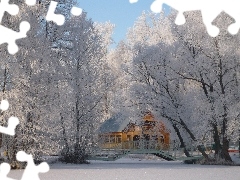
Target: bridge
169 152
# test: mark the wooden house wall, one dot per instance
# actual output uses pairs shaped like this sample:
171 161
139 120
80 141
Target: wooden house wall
120 139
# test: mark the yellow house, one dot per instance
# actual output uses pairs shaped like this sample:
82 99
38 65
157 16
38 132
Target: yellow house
118 132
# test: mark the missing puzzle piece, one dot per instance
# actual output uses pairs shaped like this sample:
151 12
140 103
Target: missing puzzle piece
31 2
4 170
210 10
6 7
12 124
4 105
59 19
9 36
133 1
31 171
76 11
51 16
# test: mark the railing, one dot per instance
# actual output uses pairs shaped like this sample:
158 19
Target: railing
172 149
112 151
141 144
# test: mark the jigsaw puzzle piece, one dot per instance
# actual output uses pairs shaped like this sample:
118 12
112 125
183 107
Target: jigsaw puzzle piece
31 171
4 170
208 13
6 7
208 16
4 105
12 124
234 28
234 13
180 19
9 36
51 16
76 11
31 2
180 6
59 19
156 6
133 1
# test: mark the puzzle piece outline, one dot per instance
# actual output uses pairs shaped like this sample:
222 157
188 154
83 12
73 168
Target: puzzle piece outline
8 35
28 173
59 19
30 2
208 12
4 105
10 129
133 1
31 171
12 121
4 170
51 16
12 9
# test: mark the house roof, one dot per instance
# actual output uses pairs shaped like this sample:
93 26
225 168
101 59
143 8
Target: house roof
114 124
120 122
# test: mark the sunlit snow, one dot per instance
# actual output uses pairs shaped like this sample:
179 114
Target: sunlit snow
138 168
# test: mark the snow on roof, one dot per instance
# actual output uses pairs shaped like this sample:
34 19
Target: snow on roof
114 124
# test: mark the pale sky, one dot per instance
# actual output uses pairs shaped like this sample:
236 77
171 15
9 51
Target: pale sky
119 12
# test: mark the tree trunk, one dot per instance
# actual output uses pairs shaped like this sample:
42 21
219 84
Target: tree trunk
194 139
182 144
64 133
216 140
224 153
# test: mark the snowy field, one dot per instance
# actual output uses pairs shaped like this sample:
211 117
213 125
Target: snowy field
137 169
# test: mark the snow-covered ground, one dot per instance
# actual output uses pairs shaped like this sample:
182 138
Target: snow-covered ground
235 157
137 168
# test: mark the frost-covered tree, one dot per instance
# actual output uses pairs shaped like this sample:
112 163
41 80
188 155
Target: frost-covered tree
83 49
212 63
56 84
187 77
24 87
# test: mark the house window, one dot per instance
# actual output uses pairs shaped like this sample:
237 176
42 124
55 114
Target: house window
118 138
128 137
136 138
155 138
112 139
161 139
106 139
